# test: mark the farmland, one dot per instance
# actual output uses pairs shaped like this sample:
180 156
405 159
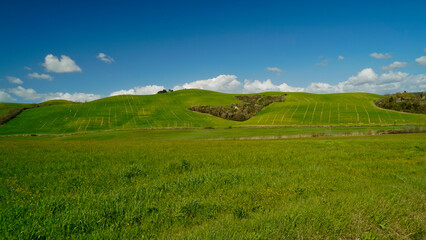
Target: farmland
364 187
170 110
146 167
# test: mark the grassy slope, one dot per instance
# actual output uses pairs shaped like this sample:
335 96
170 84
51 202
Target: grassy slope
318 188
171 111
54 102
6 107
331 109
122 112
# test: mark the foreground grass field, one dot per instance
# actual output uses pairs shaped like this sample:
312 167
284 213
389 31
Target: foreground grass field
368 187
170 110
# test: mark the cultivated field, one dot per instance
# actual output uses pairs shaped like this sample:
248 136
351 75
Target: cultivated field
170 110
144 167
331 109
367 187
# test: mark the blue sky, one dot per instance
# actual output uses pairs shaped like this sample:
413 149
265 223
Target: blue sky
218 45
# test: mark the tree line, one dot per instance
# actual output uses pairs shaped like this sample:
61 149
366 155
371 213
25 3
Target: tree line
251 105
405 102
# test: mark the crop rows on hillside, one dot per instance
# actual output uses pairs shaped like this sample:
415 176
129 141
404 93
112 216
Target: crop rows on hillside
119 112
171 110
314 110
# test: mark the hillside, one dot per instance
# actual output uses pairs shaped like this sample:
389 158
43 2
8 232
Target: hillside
171 110
10 110
6 107
308 109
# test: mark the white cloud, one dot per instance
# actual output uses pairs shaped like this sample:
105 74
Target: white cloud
146 90
380 55
40 76
230 84
392 77
123 92
105 58
367 75
368 81
221 83
25 93
64 65
75 97
286 88
5 97
275 69
340 57
266 86
14 80
31 94
394 65
421 60
318 87
258 86
27 68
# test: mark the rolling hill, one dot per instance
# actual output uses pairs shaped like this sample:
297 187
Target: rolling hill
170 110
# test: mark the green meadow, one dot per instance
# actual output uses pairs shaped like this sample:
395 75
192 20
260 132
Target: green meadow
354 187
170 110
330 166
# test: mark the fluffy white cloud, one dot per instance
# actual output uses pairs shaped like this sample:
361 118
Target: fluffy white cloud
63 65
394 65
340 57
286 88
31 94
221 83
105 58
146 90
5 97
25 93
266 86
392 77
14 80
75 97
258 86
368 81
230 84
421 60
380 55
364 81
275 69
40 76
318 87
367 75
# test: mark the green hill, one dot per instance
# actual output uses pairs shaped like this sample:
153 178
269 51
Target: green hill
331 109
9 110
7 107
170 110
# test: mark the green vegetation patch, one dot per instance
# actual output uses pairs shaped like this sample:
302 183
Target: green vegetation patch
405 102
251 105
369 187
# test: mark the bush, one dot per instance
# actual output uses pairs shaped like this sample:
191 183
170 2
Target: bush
240 111
405 102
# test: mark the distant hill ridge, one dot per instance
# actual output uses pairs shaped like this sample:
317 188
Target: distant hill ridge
171 110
